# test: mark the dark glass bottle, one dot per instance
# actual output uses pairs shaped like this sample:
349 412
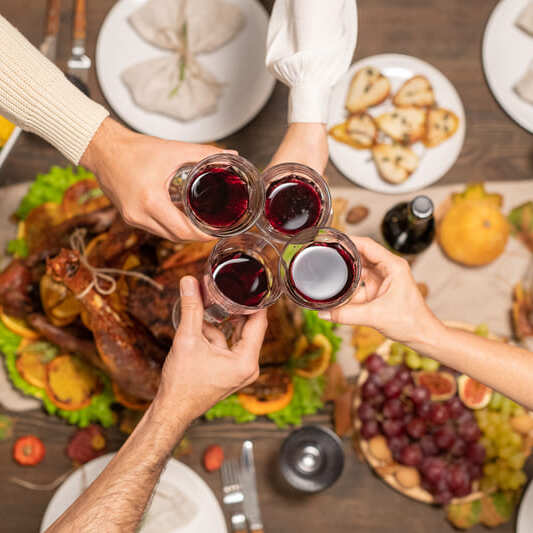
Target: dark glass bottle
409 228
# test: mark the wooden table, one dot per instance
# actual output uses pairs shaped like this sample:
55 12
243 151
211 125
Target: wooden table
448 35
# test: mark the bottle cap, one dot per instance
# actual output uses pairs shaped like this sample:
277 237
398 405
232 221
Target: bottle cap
311 458
421 206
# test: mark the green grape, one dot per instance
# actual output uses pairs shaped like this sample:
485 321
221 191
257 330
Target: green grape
395 359
506 407
521 477
516 461
428 364
412 360
495 401
397 349
506 452
503 476
491 431
517 409
494 418
482 330
515 440
490 469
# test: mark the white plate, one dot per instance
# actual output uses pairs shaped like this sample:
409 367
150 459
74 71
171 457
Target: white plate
239 64
357 165
524 522
177 476
507 53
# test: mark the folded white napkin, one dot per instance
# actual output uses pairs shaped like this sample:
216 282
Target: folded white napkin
524 86
177 85
525 19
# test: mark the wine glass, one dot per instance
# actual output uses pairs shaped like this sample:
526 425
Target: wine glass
320 268
296 198
240 277
222 194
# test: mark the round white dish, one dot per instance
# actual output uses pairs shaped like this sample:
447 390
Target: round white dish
524 521
176 476
239 65
358 165
507 53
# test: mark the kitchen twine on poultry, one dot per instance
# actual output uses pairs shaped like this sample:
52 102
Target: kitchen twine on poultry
101 274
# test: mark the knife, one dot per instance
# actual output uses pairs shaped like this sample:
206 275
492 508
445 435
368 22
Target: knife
249 487
79 63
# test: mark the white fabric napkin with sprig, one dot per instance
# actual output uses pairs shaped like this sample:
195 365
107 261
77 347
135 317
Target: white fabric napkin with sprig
177 84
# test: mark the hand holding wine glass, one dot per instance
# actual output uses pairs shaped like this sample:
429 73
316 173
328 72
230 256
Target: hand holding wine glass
200 369
387 299
135 171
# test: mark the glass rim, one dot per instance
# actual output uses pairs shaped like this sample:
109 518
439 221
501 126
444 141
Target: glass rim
255 182
274 172
276 282
306 238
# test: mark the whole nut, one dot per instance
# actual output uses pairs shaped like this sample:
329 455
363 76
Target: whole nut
357 214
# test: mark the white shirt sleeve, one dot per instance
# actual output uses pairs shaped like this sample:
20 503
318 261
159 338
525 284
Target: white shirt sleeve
310 45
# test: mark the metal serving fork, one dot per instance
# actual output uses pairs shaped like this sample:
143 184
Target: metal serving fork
232 495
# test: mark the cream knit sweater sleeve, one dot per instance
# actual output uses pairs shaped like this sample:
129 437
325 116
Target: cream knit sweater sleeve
35 95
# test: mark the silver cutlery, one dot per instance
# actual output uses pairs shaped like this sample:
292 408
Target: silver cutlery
232 495
79 63
249 487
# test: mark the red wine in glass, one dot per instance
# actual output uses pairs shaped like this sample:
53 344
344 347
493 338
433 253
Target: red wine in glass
218 196
296 198
322 272
241 278
222 195
320 268
292 204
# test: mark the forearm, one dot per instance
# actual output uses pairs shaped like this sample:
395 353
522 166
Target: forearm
304 143
35 95
116 500
503 367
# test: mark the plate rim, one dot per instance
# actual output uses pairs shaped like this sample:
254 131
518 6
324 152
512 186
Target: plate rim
405 187
261 102
513 115
106 458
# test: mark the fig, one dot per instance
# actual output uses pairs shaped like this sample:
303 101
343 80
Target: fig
473 394
441 385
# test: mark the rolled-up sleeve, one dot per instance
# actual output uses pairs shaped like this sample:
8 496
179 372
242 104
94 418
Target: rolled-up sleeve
310 45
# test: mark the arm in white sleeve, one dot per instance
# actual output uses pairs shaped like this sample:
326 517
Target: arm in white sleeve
310 45
35 95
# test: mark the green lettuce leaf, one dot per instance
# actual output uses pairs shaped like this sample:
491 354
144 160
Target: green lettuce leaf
50 187
230 407
314 325
17 247
307 400
99 410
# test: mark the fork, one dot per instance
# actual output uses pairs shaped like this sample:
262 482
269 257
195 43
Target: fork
232 495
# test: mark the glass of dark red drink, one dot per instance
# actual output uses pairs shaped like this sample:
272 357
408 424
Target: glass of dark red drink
296 198
222 194
320 268
240 277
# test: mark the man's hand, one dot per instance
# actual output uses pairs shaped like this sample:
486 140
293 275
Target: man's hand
387 298
200 369
135 171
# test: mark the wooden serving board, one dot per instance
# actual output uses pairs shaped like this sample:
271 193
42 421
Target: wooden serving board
386 470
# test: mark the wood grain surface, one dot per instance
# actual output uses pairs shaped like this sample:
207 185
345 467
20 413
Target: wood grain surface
446 34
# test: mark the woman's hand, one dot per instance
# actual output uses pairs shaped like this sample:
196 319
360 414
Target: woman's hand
200 369
305 143
135 171
387 298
